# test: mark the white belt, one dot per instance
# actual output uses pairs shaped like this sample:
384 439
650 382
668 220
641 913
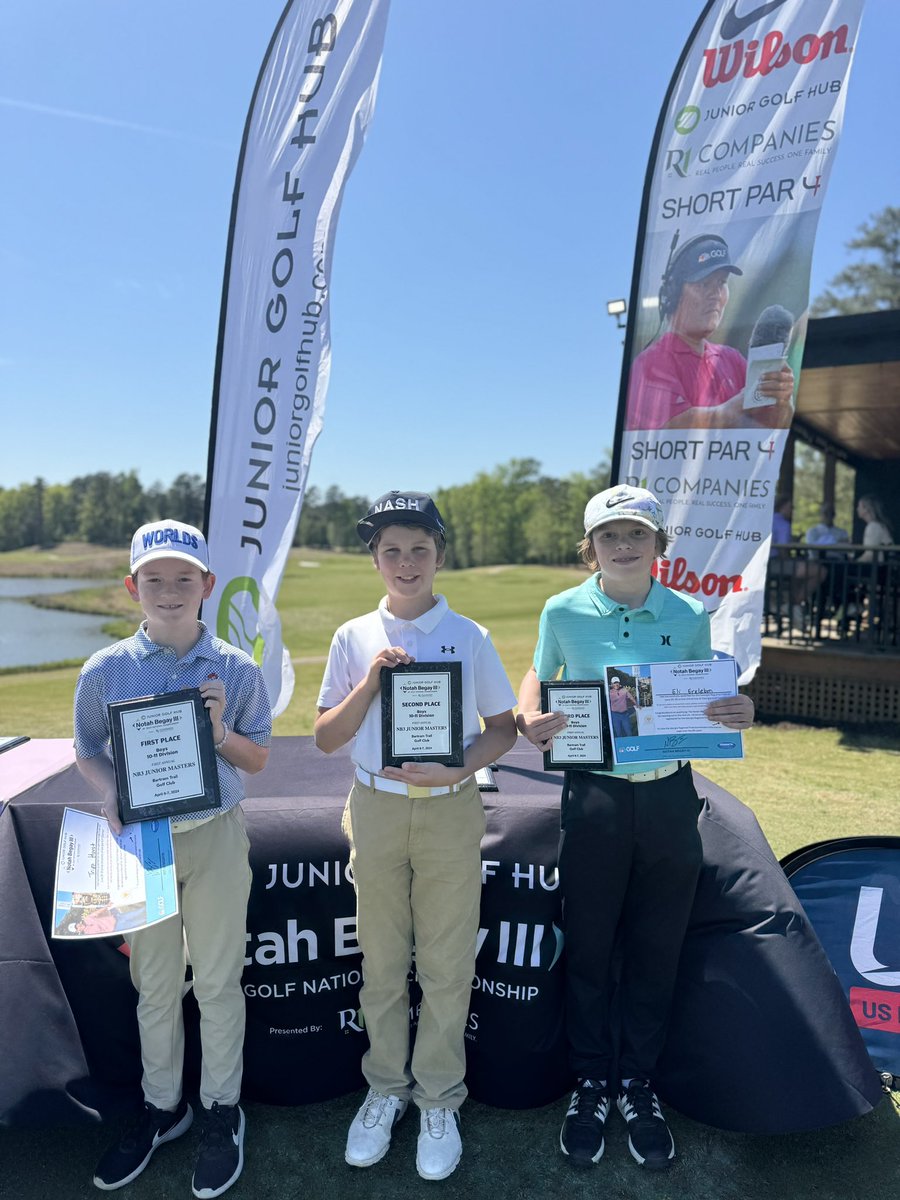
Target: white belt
401 789
649 776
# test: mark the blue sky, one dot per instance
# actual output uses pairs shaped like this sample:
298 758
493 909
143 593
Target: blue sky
490 217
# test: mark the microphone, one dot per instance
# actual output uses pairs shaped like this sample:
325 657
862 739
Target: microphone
773 325
768 346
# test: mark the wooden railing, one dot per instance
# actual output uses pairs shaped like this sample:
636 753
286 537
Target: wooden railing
827 593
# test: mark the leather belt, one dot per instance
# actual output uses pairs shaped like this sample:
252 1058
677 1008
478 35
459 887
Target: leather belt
380 784
648 776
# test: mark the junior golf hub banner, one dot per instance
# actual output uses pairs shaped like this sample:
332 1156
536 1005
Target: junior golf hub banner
313 102
740 165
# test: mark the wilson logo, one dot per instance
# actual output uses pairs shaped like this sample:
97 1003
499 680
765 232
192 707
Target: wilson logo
771 53
674 574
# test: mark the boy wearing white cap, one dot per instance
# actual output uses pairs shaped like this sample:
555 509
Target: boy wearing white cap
170 651
630 850
415 835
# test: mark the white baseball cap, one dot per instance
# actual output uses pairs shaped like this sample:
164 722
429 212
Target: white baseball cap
169 539
623 502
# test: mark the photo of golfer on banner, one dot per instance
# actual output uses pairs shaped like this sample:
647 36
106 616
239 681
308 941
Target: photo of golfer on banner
680 380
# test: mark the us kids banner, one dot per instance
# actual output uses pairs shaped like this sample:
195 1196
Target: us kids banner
313 102
741 160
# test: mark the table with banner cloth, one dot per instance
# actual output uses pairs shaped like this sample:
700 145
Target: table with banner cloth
761 1038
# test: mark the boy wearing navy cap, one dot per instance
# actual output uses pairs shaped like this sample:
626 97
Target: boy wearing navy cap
172 650
415 834
630 852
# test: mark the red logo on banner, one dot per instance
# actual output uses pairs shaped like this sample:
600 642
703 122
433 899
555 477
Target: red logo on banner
675 575
773 52
874 1008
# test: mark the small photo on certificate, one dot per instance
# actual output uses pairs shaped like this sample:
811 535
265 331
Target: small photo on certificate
657 711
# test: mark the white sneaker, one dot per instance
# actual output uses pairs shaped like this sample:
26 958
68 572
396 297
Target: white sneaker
440 1148
369 1135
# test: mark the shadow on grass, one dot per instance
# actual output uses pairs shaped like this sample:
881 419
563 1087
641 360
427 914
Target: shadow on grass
875 736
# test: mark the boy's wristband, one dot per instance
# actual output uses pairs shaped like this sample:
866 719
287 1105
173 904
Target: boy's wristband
219 745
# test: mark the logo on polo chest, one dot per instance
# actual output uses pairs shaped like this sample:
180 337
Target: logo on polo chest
665 639
448 649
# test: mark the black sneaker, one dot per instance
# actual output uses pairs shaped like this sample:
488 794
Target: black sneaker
581 1136
221 1157
649 1139
152 1126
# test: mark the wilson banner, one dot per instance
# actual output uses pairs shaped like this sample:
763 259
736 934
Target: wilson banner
740 164
307 121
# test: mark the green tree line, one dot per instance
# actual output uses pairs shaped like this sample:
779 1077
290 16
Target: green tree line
102 508
511 514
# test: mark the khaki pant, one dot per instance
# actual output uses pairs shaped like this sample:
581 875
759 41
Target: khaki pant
213 873
417 872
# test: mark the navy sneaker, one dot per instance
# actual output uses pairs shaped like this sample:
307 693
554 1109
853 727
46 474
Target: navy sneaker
581 1137
649 1139
221 1157
152 1126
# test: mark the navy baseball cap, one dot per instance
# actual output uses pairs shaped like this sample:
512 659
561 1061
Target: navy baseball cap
169 539
400 508
705 255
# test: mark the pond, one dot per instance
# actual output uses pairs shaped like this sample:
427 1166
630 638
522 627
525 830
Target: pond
30 636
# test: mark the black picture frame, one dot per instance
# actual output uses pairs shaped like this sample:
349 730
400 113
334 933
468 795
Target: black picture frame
163 756
418 685
562 754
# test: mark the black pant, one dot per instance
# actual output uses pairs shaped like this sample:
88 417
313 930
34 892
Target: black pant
629 859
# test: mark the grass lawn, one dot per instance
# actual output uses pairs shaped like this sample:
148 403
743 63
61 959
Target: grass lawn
804 784
507 1155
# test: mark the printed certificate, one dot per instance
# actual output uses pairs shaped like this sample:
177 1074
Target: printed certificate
656 711
109 885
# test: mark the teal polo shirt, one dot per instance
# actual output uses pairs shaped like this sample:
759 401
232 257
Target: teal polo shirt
582 632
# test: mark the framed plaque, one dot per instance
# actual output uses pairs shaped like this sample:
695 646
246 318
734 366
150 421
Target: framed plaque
421 714
584 743
163 756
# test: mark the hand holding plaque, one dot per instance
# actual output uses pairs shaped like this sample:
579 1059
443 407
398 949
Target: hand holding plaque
421 714
163 756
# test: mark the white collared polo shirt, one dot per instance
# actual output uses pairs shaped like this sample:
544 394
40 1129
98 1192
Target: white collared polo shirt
439 635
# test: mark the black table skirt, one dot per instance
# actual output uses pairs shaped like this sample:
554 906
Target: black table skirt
761 1037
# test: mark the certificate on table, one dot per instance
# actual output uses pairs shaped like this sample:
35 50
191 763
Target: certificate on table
107 884
656 711
421 714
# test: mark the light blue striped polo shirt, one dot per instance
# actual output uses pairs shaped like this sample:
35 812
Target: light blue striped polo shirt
582 631
138 667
